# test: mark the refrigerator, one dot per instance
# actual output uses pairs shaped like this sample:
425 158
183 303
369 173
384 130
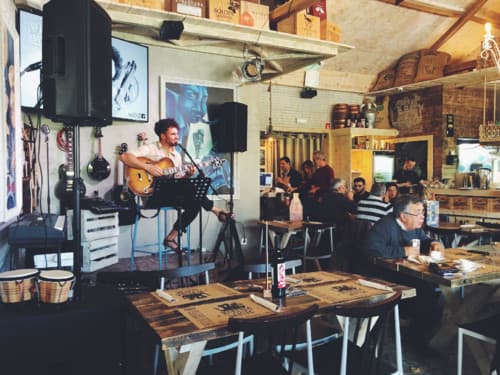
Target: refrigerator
383 166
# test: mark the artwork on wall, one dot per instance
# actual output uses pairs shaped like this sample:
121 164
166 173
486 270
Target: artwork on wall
10 135
130 80
195 105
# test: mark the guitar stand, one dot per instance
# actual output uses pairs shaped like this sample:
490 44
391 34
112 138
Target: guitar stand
180 193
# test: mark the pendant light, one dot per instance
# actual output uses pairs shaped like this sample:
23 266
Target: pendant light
269 133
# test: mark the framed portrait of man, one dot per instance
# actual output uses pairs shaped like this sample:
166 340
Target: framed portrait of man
11 153
195 105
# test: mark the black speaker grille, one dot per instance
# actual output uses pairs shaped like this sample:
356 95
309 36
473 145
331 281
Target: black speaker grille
230 132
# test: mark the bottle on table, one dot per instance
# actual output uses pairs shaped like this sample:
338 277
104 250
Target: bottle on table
279 275
296 209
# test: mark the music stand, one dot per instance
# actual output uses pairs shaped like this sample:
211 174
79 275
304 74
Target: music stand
180 193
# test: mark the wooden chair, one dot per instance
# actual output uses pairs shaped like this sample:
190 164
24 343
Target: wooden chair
361 349
485 330
274 331
260 268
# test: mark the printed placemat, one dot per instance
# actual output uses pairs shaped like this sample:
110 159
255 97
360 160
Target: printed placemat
344 292
199 293
315 278
217 314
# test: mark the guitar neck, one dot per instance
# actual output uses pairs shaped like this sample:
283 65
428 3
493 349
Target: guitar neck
174 170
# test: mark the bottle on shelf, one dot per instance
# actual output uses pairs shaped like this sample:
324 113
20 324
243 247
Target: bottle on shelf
279 275
296 208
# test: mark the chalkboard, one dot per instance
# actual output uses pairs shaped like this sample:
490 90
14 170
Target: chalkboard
416 150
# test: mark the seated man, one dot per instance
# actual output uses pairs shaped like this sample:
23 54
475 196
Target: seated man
392 192
167 131
391 237
359 187
373 208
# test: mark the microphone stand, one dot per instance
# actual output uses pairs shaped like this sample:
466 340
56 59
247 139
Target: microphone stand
200 229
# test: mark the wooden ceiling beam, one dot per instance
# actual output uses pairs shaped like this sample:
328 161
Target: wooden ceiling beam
426 8
468 14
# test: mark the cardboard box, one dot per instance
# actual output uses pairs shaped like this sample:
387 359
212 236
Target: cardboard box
444 201
461 203
197 8
224 10
254 15
153 4
330 31
302 24
480 203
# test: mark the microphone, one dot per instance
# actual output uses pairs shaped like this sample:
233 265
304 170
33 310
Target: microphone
45 130
35 66
190 158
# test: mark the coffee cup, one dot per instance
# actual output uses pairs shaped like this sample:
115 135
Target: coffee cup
436 255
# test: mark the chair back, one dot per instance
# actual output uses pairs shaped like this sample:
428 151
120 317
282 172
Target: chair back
274 330
358 232
260 268
368 342
188 275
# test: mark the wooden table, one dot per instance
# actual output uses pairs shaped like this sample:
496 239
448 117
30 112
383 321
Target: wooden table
457 308
183 342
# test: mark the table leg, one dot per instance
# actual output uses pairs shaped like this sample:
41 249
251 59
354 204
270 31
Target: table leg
184 360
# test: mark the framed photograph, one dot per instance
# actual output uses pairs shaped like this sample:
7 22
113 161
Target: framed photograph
11 152
130 80
195 105
29 25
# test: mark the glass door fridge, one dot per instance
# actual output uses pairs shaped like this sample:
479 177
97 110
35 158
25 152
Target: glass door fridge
383 166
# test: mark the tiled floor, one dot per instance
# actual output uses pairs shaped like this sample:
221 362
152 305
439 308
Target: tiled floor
416 360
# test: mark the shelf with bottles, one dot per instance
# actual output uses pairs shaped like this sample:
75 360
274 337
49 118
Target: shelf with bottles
490 133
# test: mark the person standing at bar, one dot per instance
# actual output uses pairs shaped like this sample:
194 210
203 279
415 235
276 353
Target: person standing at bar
289 179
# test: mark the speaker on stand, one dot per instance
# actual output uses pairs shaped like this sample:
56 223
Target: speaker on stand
76 83
230 135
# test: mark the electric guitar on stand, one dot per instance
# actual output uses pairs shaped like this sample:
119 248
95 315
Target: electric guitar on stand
65 186
122 195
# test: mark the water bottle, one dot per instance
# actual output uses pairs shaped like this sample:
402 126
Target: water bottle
296 208
279 274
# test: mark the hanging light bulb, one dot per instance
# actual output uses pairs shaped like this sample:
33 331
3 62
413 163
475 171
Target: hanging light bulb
490 46
269 134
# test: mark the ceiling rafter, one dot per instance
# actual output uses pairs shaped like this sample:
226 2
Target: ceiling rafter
468 14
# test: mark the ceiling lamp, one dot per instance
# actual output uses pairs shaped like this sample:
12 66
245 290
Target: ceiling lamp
490 47
252 69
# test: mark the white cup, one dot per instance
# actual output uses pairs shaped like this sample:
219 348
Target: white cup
436 255
415 243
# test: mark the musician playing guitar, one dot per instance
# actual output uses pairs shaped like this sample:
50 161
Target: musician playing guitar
167 131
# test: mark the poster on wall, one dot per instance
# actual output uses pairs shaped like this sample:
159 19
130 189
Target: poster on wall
10 142
195 106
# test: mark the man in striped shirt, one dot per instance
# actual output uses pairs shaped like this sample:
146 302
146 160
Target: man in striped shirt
373 208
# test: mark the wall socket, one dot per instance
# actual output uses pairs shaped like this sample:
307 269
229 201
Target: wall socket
243 241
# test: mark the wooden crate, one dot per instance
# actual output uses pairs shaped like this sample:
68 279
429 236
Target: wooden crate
302 24
444 201
494 205
99 253
461 203
480 203
94 226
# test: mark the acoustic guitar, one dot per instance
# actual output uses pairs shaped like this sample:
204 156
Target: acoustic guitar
141 182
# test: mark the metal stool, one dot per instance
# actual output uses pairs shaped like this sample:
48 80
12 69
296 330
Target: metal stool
157 247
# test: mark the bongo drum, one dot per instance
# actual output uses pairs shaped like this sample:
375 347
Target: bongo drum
54 286
18 285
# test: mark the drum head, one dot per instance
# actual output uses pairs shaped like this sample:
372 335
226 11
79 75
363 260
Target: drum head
19 274
56 275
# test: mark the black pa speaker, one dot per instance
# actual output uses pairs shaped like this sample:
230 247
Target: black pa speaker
76 63
230 132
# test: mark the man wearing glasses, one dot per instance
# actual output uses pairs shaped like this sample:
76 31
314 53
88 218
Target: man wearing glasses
359 189
397 236
394 235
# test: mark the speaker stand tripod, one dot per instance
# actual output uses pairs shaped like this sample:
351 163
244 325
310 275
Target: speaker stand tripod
228 235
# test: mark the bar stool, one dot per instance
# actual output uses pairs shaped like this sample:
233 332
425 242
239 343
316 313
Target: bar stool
157 247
